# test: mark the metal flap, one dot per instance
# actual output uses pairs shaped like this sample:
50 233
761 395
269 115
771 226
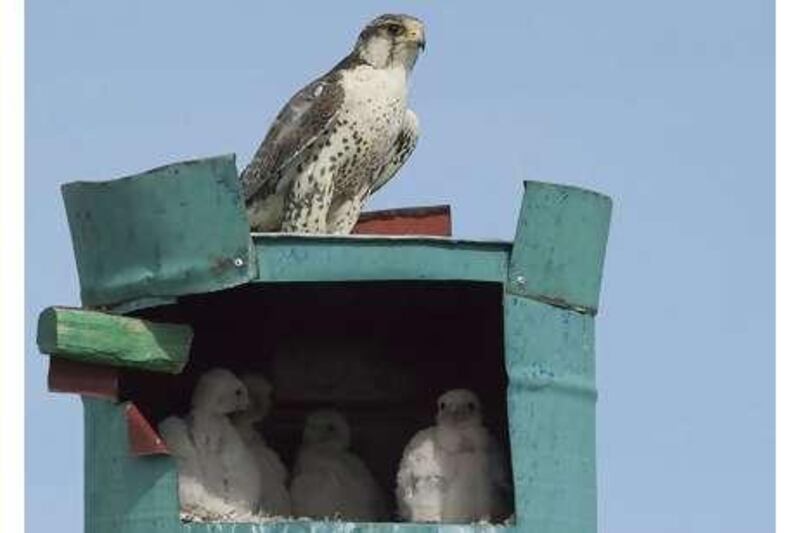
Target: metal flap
560 245
174 230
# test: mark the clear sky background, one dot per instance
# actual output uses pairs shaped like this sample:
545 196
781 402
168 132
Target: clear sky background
666 106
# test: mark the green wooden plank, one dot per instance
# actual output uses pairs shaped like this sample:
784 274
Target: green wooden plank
175 230
551 408
122 493
360 258
560 245
95 337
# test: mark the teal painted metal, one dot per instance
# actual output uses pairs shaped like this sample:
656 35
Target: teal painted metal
551 408
560 245
298 258
175 230
124 494
551 298
551 278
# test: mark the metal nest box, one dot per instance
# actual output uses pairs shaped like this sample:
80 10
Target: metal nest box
172 282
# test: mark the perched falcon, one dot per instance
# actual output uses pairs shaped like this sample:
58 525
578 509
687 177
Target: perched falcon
453 472
340 138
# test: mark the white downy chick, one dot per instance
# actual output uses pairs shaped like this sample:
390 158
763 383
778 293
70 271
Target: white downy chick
230 472
194 499
452 472
328 480
274 499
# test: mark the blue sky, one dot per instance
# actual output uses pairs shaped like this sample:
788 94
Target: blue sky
668 107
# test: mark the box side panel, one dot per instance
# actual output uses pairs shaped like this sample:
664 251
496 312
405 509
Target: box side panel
551 407
124 494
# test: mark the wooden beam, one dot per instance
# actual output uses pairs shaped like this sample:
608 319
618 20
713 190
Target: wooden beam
101 338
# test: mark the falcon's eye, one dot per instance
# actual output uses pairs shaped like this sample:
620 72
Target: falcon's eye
394 28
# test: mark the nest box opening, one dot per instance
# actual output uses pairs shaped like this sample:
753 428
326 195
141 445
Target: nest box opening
380 352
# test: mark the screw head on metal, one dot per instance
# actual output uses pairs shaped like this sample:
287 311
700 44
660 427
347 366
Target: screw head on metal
238 262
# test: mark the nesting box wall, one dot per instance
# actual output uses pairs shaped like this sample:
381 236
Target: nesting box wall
551 298
122 493
378 327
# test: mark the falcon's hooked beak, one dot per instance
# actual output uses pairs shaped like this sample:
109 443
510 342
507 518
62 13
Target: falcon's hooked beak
416 34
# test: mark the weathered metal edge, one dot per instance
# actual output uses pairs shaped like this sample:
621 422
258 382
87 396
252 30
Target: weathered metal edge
422 239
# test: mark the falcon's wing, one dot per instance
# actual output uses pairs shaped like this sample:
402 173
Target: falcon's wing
301 122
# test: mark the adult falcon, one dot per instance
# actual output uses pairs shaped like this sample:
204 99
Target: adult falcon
340 138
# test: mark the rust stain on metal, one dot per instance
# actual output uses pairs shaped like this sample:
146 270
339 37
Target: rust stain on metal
143 439
432 220
220 264
97 381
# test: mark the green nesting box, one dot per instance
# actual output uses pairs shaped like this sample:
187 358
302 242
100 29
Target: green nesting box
378 325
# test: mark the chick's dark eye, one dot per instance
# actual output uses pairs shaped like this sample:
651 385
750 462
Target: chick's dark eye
471 406
441 406
394 29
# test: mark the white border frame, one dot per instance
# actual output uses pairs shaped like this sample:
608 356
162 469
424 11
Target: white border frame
12 272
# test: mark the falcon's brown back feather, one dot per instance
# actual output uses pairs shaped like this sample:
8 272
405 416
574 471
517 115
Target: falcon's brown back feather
301 122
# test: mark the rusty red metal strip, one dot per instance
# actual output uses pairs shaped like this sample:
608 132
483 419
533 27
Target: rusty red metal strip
143 439
433 221
86 379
